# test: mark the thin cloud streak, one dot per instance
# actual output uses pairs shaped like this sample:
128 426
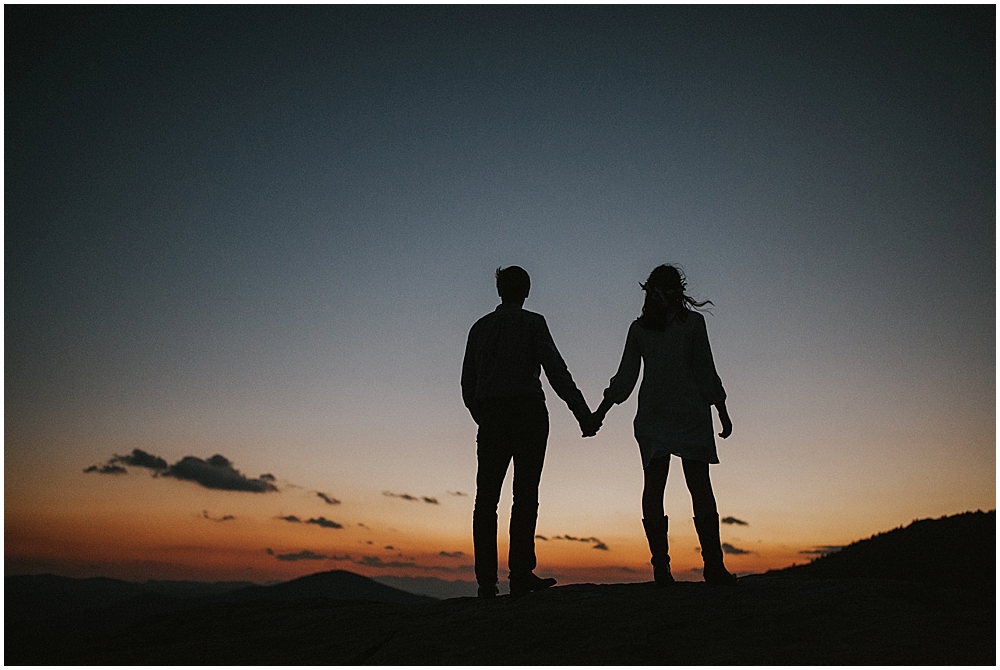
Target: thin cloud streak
597 543
408 497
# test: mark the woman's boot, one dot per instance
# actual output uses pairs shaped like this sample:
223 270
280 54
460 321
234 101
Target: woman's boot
656 535
711 551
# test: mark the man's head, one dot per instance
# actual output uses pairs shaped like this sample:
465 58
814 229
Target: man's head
513 284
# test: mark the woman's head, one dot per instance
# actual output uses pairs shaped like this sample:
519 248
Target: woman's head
665 298
666 279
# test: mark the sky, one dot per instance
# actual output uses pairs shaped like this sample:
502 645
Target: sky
244 247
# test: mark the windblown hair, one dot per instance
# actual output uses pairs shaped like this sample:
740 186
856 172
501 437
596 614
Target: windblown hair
513 283
666 299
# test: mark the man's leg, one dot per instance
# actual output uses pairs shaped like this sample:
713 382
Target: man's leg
524 511
493 457
529 457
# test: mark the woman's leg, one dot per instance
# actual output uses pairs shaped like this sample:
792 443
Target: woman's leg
700 486
654 484
653 520
706 522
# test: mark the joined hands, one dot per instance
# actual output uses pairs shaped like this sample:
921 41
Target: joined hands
592 423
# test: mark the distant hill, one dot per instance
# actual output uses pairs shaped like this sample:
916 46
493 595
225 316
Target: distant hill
40 608
335 585
44 596
48 596
955 551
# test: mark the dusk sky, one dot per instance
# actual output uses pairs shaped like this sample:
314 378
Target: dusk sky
264 232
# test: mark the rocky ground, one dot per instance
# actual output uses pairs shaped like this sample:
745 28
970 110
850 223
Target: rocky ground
920 595
769 619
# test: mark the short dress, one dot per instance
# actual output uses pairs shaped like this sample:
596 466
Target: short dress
679 387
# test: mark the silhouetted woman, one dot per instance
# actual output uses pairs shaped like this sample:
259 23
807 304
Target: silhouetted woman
679 386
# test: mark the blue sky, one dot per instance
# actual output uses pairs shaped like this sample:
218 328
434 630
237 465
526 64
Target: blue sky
264 233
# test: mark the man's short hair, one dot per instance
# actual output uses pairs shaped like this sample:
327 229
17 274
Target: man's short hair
513 283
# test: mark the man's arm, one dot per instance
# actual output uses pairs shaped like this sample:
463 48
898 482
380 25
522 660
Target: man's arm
559 376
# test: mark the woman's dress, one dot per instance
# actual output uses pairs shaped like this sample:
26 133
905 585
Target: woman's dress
679 387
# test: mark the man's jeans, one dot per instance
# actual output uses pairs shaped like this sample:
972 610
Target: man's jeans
511 428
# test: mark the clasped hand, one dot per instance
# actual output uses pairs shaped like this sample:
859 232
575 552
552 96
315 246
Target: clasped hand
591 424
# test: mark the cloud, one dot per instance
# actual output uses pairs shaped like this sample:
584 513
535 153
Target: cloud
407 496
304 555
327 499
371 561
824 550
458 493
541 537
730 549
323 522
597 543
451 554
218 473
404 496
376 562
215 473
731 520
140 459
106 469
226 517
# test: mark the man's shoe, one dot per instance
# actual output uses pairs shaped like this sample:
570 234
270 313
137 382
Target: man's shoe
488 591
521 585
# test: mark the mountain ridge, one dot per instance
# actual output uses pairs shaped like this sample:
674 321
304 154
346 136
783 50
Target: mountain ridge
830 611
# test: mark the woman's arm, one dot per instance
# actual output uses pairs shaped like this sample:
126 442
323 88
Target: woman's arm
625 379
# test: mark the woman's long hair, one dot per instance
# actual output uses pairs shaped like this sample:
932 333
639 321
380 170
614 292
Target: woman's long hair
666 299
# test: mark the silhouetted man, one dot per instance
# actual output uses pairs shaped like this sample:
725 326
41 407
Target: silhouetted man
502 389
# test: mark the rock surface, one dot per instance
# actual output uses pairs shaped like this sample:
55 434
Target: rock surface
769 619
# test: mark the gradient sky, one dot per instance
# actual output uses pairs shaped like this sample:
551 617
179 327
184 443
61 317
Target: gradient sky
264 233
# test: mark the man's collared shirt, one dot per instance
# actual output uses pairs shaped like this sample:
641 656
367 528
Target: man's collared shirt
504 356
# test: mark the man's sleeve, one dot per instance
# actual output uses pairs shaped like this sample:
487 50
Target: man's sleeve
469 377
558 374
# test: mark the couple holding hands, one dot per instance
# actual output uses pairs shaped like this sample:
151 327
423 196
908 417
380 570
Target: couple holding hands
501 386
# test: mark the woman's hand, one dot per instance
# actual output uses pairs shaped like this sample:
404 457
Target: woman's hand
596 420
727 423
